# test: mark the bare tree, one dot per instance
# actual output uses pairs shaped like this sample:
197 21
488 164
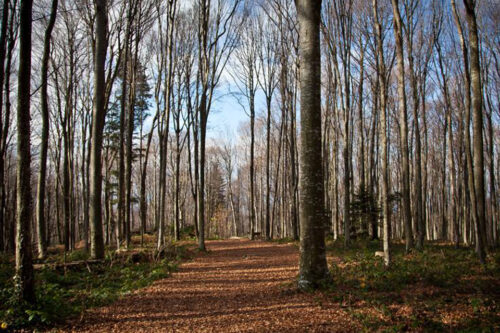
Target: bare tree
267 79
246 79
216 41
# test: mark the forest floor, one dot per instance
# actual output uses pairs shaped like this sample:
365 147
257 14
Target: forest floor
238 285
241 285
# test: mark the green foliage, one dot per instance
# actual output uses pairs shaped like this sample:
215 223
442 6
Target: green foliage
67 293
435 266
187 232
439 278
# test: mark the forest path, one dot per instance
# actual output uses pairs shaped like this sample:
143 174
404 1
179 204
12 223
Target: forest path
238 286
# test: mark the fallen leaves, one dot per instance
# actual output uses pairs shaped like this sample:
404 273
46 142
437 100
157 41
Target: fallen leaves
239 286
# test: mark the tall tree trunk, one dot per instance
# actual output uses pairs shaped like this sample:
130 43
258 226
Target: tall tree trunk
268 230
178 151
201 182
85 182
3 47
143 204
252 167
203 71
347 166
312 266
403 123
451 161
384 194
364 226
468 147
373 177
5 131
477 128
66 186
24 277
444 202
40 212
121 223
129 151
98 115
294 175
417 211
493 194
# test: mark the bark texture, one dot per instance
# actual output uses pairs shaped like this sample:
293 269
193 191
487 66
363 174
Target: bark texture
24 279
477 128
384 194
40 212
312 266
403 125
98 115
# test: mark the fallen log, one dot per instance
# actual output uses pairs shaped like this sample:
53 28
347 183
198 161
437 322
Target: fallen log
71 264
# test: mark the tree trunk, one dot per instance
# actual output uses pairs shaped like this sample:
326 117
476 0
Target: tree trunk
143 204
468 149
417 211
201 182
24 277
312 267
3 47
121 223
405 159
451 161
268 169
477 128
40 212
364 226
98 115
384 194
252 168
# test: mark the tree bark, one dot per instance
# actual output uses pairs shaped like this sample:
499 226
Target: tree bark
384 194
477 128
418 201
3 47
312 267
468 148
252 168
403 114
364 226
24 278
98 115
450 157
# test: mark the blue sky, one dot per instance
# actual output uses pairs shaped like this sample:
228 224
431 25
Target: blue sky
226 114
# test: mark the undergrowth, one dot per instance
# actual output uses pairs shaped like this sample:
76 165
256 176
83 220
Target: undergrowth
429 285
66 293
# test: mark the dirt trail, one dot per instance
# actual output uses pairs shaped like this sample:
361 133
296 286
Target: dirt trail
239 286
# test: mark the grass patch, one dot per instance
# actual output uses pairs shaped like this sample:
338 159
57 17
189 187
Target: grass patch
66 293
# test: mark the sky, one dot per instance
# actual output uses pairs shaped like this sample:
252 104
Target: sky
226 115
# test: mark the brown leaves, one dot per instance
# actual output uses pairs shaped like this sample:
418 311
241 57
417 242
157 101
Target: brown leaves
238 286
